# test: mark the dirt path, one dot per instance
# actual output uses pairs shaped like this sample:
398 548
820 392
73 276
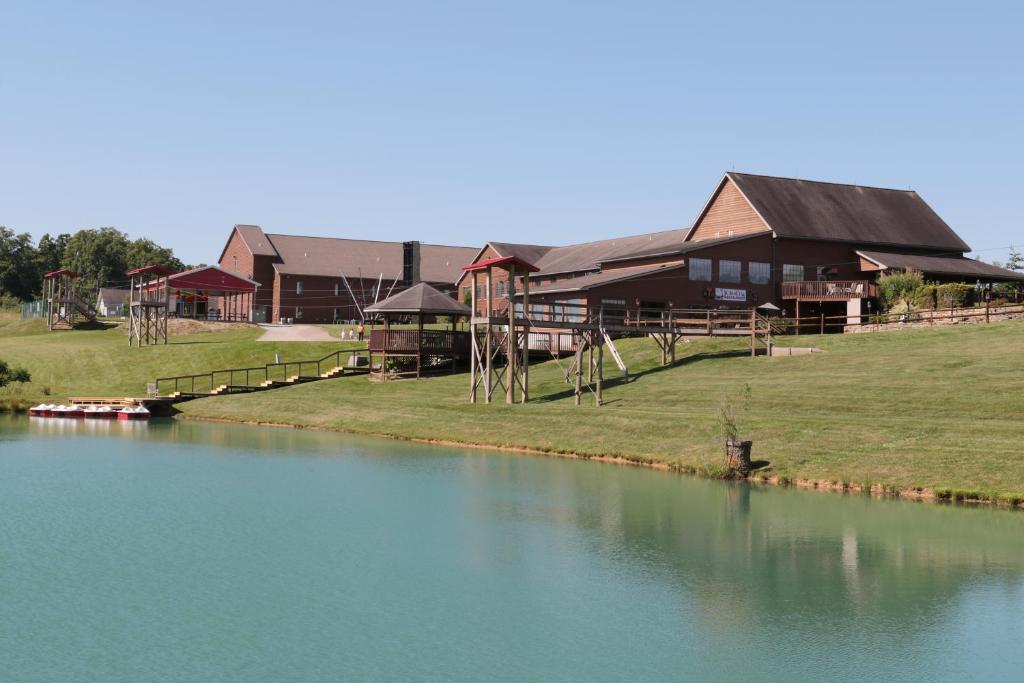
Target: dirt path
301 333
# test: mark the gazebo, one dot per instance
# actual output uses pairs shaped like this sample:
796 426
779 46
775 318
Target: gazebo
415 350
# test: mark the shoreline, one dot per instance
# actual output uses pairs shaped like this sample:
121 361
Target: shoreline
912 494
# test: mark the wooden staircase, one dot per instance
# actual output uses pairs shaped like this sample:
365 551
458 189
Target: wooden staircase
241 380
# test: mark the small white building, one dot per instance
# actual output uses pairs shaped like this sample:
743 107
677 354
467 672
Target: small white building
110 303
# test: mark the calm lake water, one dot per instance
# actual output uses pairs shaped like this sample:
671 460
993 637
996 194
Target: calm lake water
184 551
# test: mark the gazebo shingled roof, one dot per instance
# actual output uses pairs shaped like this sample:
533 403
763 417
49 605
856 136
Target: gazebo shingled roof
420 298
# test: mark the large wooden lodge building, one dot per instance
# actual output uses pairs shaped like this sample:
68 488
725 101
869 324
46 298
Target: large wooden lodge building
807 247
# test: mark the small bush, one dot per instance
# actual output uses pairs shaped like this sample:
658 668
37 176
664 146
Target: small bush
955 295
898 286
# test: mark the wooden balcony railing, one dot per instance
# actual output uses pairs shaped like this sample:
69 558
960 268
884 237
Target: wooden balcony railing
439 342
828 290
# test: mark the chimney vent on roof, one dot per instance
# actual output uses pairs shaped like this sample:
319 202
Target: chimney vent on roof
410 263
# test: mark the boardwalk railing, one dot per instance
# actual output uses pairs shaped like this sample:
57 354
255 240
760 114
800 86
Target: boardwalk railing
440 342
820 324
829 290
252 378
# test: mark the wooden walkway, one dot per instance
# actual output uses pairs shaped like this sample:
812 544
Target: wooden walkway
261 378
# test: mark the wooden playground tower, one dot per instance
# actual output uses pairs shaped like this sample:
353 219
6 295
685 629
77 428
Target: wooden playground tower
500 339
503 336
148 305
63 305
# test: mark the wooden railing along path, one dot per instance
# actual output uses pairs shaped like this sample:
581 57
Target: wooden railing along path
263 377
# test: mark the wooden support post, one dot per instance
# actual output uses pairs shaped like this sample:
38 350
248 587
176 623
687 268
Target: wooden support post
672 332
511 343
474 352
753 333
419 345
488 351
526 338
600 369
822 331
579 369
798 317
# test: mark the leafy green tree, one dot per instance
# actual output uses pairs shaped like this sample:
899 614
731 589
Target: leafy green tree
99 255
19 274
1015 260
144 252
9 374
50 252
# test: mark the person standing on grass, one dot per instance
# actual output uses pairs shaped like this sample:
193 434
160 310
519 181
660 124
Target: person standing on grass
359 330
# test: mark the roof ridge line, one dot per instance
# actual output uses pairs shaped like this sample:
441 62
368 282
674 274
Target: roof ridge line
359 239
820 182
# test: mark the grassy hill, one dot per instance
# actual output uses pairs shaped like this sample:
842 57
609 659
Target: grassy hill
932 408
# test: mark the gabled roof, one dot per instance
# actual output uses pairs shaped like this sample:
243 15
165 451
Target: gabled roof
958 266
808 209
420 298
585 282
112 296
212 278
332 256
531 253
575 258
255 241
506 262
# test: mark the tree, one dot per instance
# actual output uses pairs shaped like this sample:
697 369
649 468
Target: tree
50 252
144 252
99 255
19 274
1016 260
9 374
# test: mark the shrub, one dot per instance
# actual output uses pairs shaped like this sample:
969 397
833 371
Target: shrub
898 286
9 374
955 295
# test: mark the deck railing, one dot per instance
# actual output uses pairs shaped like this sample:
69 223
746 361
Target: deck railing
427 342
252 377
829 290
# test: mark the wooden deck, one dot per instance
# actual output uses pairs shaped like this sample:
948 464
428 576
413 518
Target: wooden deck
829 290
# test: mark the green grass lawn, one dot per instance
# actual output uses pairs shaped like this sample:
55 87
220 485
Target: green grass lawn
99 361
932 408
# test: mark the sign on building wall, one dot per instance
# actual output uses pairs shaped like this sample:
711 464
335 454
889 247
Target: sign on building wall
725 294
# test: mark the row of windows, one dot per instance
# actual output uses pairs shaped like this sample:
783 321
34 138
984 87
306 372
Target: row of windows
758 272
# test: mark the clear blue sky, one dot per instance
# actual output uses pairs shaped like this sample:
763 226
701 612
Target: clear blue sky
460 122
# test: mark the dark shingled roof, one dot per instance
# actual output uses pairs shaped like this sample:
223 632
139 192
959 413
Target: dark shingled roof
847 213
958 266
581 257
421 298
531 253
256 240
331 256
591 280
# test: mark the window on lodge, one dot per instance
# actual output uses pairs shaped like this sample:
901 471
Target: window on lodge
613 311
759 272
700 269
499 289
298 287
729 271
791 272
337 288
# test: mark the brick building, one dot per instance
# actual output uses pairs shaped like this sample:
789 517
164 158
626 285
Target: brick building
327 279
